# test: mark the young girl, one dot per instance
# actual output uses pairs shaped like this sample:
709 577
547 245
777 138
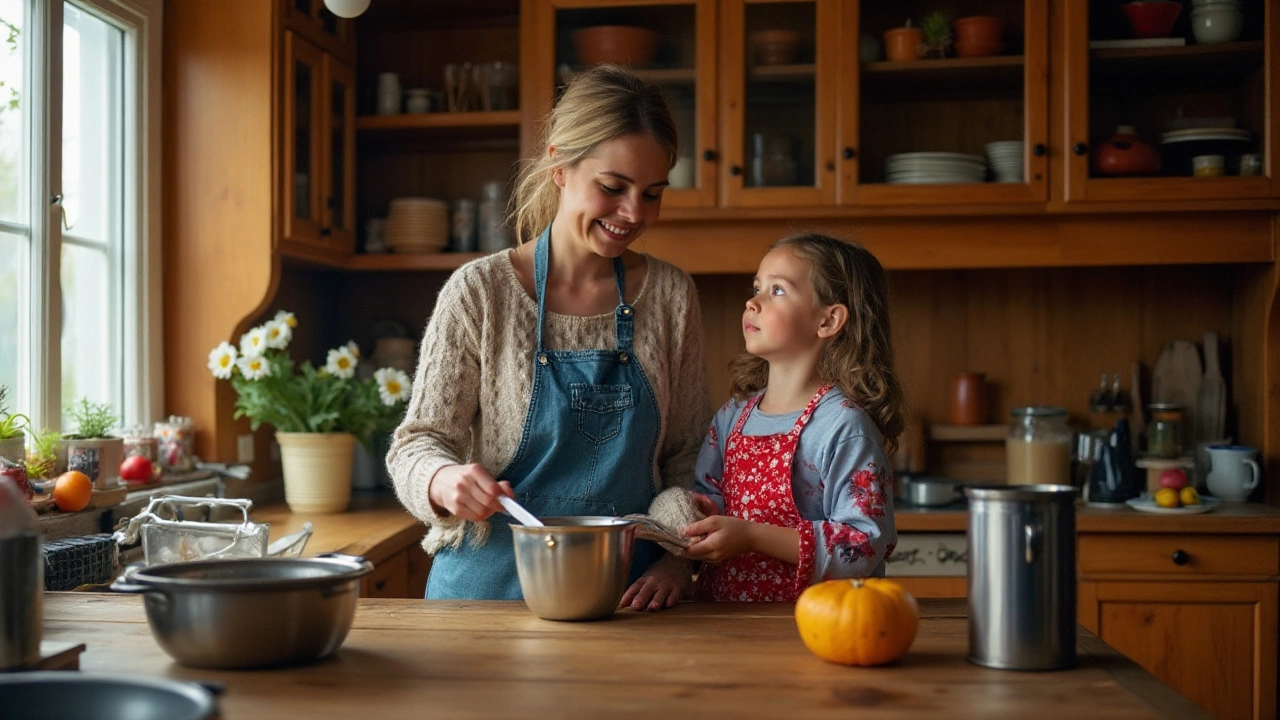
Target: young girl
795 469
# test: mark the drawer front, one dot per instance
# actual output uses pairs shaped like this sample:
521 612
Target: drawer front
1176 555
390 579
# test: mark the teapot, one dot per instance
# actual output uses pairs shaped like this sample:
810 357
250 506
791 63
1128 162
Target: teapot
1125 154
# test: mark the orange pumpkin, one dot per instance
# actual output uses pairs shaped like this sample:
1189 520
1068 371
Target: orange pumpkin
868 621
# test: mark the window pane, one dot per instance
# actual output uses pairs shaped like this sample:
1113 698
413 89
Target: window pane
92 53
14 189
13 300
89 367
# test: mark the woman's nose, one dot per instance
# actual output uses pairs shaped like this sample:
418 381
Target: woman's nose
629 208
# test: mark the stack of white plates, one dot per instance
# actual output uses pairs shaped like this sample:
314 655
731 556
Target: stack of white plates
417 225
1006 160
935 168
1208 133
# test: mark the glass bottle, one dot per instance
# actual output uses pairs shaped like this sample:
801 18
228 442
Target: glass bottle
1038 448
494 233
1164 432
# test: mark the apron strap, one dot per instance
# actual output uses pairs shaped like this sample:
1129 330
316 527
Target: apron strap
541 258
808 410
624 313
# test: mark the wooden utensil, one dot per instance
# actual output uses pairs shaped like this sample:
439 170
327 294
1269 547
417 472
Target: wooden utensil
1136 420
1211 399
1177 376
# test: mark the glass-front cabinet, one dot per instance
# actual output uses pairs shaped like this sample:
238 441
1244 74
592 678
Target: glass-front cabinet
314 21
1169 101
671 43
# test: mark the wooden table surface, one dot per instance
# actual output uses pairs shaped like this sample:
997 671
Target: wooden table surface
436 659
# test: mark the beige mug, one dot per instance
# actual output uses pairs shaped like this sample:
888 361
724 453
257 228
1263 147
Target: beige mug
1233 472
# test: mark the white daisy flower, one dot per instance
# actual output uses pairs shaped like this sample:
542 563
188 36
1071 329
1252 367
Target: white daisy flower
287 318
254 367
278 334
393 385
354 348
341 363
254 342
222 360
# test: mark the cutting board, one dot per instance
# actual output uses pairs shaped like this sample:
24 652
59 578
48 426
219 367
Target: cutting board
1211 399
1177 376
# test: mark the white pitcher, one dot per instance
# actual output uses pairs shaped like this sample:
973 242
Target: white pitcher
1233 472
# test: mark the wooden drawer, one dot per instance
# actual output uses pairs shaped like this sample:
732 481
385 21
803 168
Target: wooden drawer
389 579
1179 555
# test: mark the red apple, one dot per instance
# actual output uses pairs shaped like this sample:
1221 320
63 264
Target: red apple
1175 478
135 469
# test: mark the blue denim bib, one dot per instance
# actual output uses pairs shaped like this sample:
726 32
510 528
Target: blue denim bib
587 448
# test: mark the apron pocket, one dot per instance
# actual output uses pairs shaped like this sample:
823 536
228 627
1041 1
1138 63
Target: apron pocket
600 409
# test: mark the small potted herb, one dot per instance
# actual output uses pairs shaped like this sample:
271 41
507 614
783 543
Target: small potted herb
91 450
936 27
42 455
11 431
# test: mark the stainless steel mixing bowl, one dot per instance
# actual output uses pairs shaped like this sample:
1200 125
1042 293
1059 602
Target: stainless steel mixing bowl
574 568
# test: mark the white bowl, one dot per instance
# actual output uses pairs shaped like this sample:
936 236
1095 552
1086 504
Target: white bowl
1217 23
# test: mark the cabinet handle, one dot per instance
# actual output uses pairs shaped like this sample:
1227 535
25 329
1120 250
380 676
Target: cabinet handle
1180 557
1081 148
330 203
380 585
1039 150
709 155
325 231
735 170
848 153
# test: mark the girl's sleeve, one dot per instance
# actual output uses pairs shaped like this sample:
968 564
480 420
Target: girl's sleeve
710 465
858 532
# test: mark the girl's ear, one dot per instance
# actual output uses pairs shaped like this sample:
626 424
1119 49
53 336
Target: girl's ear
833 318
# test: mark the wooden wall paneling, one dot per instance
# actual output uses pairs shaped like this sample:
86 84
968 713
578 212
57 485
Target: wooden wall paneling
722 298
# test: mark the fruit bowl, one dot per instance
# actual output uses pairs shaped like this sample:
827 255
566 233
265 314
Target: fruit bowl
1148 504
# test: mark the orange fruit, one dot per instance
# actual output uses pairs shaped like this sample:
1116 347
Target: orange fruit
72 491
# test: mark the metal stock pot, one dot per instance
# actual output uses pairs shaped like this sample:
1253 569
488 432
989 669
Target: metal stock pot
574 568
249 612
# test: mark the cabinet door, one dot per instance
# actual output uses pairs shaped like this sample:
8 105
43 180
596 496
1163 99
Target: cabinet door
1183 98
303 140
340 156
944 129
314 21
778 85
1214 642
681 35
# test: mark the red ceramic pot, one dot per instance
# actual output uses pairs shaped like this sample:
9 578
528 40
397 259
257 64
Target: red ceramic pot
970 404
1152 19
1125 154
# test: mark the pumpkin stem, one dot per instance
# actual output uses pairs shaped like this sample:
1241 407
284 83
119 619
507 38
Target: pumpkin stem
858 582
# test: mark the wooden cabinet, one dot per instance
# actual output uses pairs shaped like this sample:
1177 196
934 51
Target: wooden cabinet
1197 611
312 20
403 575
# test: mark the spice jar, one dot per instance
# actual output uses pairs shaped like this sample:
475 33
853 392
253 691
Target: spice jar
1038 448
1164 432
176 439
138 441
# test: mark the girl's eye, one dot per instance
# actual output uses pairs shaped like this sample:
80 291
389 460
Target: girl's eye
755 290
776 290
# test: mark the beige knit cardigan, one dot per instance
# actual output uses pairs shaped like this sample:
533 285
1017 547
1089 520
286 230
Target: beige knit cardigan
474 380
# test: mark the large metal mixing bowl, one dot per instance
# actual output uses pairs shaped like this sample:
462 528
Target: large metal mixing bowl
574 568
93 696
249 612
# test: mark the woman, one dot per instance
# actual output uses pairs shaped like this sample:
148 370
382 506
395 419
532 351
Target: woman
567 373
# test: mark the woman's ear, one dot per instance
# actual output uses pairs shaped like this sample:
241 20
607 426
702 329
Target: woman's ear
833 318
557 175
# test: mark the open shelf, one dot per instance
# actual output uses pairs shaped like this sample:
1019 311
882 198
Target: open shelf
1185 67
394 262
442 126
997 73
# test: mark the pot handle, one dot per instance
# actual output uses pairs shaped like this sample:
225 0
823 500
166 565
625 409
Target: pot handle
1032 533
342 556
122 584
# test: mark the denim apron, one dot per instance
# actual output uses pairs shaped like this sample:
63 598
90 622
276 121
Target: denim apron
587 448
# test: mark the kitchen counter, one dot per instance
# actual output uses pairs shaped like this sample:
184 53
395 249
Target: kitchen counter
375 527
414 658
1227 519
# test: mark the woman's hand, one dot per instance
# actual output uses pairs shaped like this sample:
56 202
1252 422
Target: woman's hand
467 491
660 587
721 537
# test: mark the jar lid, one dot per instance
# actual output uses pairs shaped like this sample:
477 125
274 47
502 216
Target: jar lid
1038 411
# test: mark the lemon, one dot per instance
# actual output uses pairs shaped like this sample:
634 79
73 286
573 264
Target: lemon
1167 498
1189 496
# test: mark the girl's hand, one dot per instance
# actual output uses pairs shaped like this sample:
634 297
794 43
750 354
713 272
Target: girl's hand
467 491
724 537
660 587
705 505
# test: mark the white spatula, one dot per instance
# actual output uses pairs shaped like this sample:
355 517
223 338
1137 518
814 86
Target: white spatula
517 511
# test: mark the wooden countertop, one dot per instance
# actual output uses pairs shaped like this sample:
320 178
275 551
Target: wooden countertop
376 527
1227 519
415 658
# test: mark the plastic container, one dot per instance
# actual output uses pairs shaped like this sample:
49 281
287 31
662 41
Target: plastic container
1038 448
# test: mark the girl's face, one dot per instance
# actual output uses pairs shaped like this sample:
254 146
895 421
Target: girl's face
783 317
610 197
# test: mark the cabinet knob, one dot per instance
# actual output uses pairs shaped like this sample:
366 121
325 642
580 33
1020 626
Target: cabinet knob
735 170
848 153
1080 148
330 203
1180 557
709 155
380 585
325 231
1039 150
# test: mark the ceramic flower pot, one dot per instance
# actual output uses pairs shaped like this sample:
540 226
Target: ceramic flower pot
14 449
317 470
99 458
903 43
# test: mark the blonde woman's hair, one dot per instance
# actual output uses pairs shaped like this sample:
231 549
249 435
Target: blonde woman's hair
859 359
599 105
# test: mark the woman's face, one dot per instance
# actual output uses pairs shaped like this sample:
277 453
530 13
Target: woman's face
610 197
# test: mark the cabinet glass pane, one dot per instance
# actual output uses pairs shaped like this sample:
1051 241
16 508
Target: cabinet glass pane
658 42
780 113
1167 89
328 22
303 162
943 95
303 6
337 154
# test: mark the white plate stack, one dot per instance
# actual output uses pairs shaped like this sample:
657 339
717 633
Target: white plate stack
417 225
935 168
1006 160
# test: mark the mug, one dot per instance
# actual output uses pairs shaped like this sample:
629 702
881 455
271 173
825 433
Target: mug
1233 472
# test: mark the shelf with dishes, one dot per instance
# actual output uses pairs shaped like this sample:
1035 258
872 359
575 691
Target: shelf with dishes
406 262
1183 66
442 126
993 73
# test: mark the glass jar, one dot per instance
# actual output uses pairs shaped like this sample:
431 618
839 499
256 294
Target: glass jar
1164 432
176 441
1038 448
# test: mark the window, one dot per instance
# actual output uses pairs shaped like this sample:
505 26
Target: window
79 206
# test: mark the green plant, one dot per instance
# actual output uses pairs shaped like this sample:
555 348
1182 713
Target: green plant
42 453
11 424
936 27
272 389
93 420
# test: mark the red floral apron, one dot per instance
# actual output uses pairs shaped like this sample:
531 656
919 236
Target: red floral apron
757 487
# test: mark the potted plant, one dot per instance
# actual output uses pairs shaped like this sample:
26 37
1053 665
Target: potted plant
91 449
318 413
42 456
11 431
936 28
903 43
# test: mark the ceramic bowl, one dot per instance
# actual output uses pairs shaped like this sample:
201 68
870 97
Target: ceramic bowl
1216 23
775 47
1152 19
979 29
617 44
967 48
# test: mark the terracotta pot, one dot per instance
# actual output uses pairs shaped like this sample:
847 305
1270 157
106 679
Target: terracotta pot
617 44
1125 154
969 402
979 29
903 43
